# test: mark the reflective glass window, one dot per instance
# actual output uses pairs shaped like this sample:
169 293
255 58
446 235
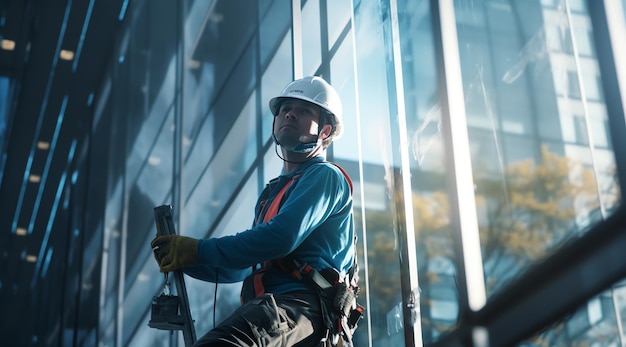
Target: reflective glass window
275 23
220 121
436 258
277 74
4 100
535 84
311 37
342 72
338 15
374 124
507 75
237 217
222 173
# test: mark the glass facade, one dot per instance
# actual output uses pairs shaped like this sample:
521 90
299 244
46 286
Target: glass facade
4 110
183 114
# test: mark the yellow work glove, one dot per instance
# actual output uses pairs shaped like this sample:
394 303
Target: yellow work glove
174 252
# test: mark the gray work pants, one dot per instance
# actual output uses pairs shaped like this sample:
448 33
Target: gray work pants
286 320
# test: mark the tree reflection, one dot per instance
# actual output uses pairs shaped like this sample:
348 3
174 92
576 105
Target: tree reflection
524 215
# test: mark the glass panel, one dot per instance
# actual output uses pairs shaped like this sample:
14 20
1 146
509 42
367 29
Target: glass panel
345 152
159 119
199 77
218 46
435 250
279 72
152 188
311 37
150 146
152 76
275 24
201 294
4 112
525 94
338 15
153 180
342 74
141 157
599 322
376 197
220 41
221 175
110 266
210 135
542 160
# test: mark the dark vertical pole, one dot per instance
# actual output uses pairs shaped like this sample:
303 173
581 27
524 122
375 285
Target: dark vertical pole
613 92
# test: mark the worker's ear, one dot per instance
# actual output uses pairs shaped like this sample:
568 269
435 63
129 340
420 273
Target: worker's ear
326 129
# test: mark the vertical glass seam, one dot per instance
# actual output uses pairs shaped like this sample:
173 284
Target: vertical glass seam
585 106
458 154
359 139
410 249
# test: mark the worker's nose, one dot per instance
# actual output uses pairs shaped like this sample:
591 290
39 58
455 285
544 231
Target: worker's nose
290 114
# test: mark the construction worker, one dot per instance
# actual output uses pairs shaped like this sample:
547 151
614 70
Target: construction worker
303 228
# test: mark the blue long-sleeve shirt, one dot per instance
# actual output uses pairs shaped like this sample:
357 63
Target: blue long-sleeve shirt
315 224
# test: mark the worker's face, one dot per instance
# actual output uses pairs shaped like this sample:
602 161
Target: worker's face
297 122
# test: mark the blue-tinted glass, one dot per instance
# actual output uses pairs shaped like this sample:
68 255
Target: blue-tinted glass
534 103
374 124
338 13
275 25
311 37
436 258
342 72
218 44
221 175
277 75
4 109
237 217
214 127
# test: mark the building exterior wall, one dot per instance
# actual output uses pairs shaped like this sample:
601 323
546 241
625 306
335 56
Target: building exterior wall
185 108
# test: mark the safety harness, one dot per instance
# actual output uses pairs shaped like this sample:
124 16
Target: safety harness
338 295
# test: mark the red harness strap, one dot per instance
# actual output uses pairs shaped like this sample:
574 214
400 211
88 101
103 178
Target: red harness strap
272 210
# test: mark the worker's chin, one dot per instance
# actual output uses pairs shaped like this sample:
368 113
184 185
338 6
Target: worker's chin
294 143
288 142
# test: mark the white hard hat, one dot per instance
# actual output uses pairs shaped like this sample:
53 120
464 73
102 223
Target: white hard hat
315 90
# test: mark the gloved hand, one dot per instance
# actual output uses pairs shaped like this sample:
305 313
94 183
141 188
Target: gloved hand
174 252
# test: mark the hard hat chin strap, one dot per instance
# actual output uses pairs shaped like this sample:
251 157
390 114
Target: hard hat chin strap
307 147
304 147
